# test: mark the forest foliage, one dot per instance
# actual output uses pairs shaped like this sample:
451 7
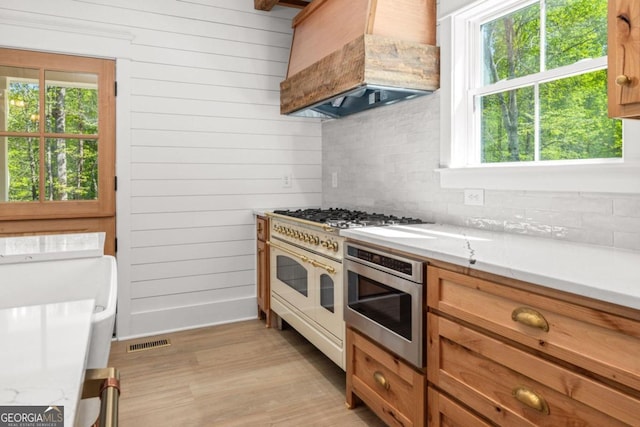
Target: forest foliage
69 164
568 113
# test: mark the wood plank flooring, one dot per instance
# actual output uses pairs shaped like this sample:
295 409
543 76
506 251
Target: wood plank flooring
240 374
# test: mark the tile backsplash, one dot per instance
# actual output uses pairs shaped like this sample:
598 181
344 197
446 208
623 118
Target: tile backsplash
385 160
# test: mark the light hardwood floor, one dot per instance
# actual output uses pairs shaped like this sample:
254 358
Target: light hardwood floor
240 374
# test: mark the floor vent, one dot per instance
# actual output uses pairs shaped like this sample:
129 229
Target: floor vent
148 345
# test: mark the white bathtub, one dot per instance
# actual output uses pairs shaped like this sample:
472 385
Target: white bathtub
42 282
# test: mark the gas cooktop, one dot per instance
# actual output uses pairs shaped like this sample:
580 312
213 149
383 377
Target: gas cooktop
345 218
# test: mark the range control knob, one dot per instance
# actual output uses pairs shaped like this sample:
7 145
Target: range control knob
330 244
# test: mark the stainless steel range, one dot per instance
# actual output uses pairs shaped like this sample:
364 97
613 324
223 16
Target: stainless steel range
307 273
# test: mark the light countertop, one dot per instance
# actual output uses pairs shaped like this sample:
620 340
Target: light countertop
43 357
51 247
599 272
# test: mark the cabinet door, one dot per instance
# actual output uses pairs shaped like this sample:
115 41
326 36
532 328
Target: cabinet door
444 412
262 228
263 280
389 387
262 269
624 58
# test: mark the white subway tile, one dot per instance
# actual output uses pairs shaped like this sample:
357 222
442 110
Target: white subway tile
612 223
386 159
626 240
627 207
583 235
565 219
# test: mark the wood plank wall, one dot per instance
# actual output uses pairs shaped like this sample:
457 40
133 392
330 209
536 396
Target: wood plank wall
207 147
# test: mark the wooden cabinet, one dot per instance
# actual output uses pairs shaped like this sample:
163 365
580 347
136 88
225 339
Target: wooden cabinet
262 269
624 58
390 388
444 412
519 357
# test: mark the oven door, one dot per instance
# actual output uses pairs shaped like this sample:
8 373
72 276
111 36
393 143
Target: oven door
292 277
310 284
386 308
329 307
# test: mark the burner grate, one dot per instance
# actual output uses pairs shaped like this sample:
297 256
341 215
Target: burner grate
345 218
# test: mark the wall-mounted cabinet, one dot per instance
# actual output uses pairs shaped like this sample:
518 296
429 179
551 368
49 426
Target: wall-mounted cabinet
624 59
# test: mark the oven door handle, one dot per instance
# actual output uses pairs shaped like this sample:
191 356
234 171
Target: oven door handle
303 258
329 269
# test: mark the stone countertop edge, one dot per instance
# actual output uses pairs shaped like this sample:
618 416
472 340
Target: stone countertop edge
20 249
599 272
45 354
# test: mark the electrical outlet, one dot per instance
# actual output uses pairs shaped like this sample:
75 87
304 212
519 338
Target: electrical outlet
474 197
286 180
334 179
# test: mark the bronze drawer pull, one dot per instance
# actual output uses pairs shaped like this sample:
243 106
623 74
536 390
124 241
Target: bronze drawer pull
381 380
531 399
530 317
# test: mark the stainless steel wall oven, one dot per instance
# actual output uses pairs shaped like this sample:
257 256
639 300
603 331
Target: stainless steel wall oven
384 299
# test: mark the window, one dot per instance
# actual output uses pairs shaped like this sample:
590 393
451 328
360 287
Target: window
524 88
68 138
542 90
57 143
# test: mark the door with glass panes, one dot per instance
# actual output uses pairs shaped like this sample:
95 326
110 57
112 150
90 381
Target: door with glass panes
57 144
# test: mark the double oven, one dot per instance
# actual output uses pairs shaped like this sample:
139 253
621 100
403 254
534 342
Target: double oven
306 282
318 281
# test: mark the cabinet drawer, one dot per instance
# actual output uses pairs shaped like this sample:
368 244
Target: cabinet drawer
262 228
391 388
444 412
513 387
601 342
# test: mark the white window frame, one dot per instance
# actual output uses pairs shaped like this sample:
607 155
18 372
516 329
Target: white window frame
458 170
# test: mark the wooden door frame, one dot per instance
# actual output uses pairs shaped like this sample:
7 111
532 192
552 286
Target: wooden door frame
47 217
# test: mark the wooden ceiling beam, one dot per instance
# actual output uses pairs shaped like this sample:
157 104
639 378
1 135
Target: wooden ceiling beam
264 4
268 4
300 4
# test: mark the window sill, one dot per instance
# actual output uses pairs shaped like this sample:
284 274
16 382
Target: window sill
592 178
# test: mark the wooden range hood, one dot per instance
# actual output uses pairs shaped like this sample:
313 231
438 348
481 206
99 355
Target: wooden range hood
349 56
